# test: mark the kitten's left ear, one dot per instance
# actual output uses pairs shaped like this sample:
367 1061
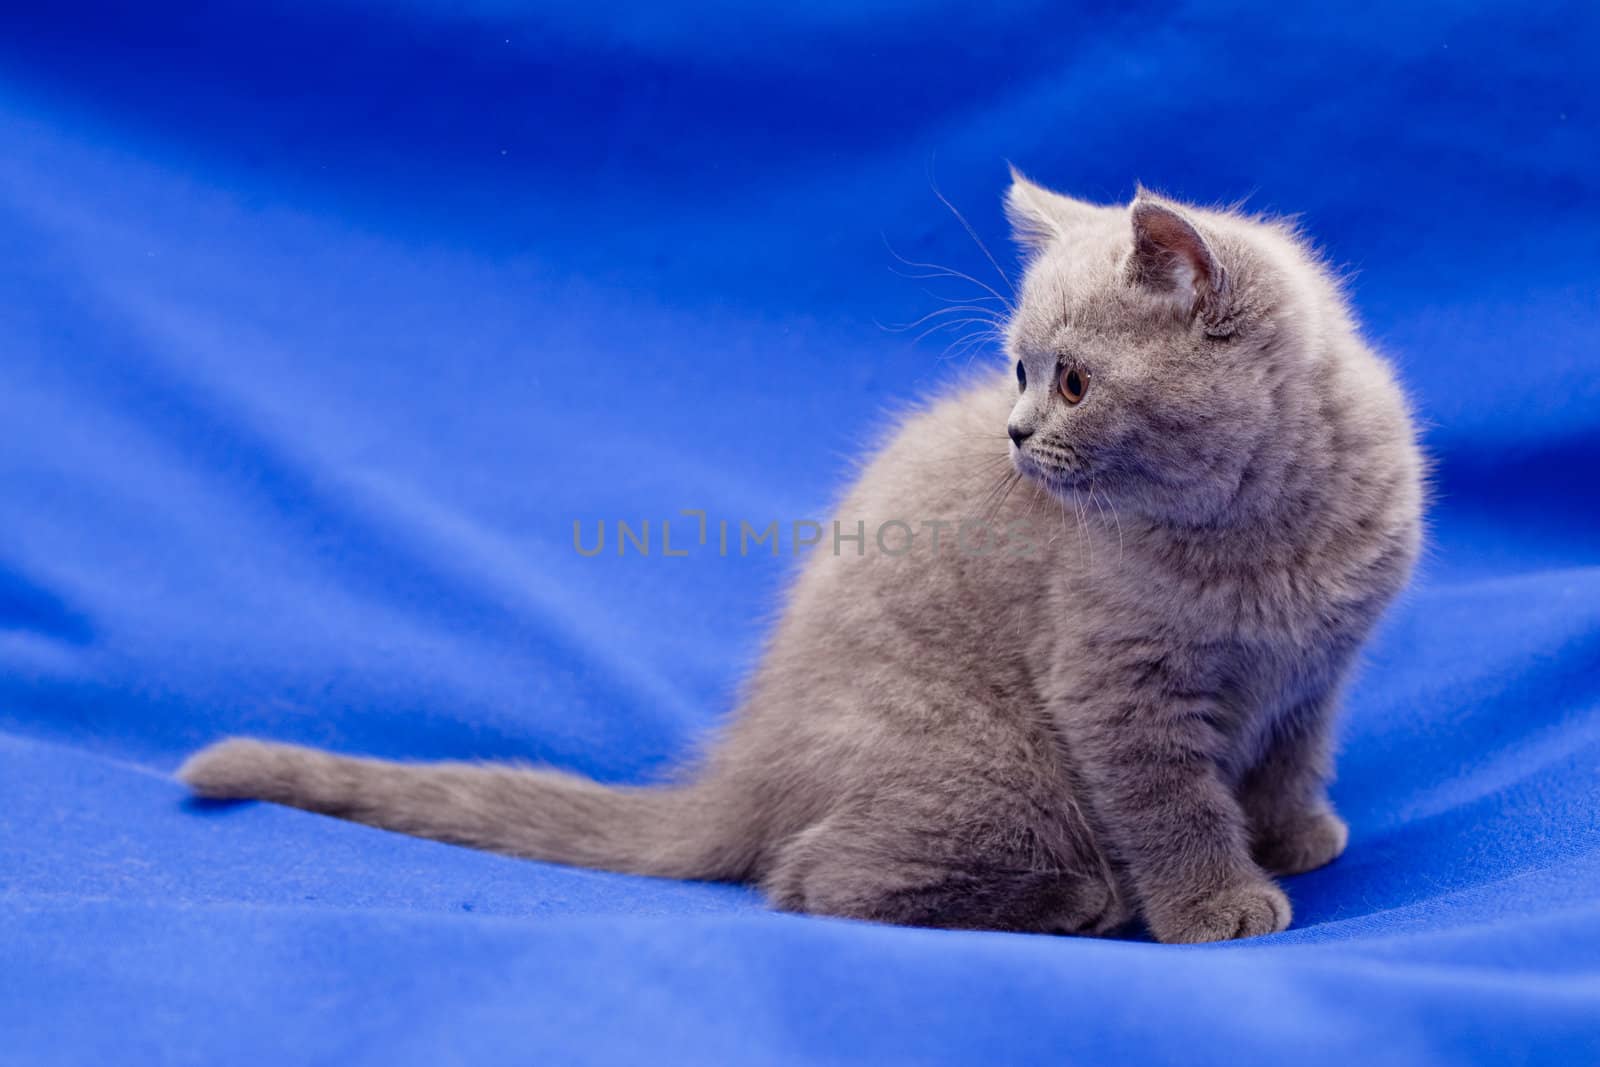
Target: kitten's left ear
1172 258
1039 216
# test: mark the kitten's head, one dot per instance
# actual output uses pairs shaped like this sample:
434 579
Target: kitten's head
1149 343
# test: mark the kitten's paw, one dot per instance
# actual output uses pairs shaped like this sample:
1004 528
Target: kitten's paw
1315 841
1246 911
1093 907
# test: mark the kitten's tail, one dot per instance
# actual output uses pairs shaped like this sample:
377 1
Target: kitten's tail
534 814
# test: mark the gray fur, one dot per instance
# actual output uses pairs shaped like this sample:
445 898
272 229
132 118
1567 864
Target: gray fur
1136 720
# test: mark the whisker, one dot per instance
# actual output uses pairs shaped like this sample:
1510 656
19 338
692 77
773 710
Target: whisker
980 464
1003 485
981 335
1065 529
972 233
969 345
985 314
1084 541
1116 519
951 273
995 511
1095 500
935 275
946 325
1038 492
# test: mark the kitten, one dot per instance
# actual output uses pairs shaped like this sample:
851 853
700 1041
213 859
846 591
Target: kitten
1132 719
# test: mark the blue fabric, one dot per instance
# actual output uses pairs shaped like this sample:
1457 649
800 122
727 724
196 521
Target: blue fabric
319 327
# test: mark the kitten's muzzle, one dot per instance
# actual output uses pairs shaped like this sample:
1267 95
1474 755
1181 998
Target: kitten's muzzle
1019 434
1053 476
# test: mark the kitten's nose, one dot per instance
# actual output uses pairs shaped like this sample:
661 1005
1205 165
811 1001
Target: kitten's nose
1018 434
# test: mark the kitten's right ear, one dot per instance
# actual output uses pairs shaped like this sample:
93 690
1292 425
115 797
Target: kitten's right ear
1171 258
1039 216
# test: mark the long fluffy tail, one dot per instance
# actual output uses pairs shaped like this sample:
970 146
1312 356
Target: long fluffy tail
535 814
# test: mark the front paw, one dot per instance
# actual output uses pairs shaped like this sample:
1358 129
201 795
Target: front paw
1249 910
1314 841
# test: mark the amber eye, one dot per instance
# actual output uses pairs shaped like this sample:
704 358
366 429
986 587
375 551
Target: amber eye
1074 384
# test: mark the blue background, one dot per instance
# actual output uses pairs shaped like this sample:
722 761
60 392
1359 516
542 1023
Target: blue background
319 327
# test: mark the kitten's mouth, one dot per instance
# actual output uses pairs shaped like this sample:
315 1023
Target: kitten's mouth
1056 479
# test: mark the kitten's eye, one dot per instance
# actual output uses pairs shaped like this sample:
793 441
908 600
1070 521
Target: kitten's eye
1022 377
1074 384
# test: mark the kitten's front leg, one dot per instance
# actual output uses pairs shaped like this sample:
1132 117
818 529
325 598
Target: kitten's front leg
1293 827
1151 761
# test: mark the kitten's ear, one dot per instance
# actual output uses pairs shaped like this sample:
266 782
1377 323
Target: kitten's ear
1039 216
1172 258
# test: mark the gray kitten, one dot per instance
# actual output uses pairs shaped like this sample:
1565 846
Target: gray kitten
1129 715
